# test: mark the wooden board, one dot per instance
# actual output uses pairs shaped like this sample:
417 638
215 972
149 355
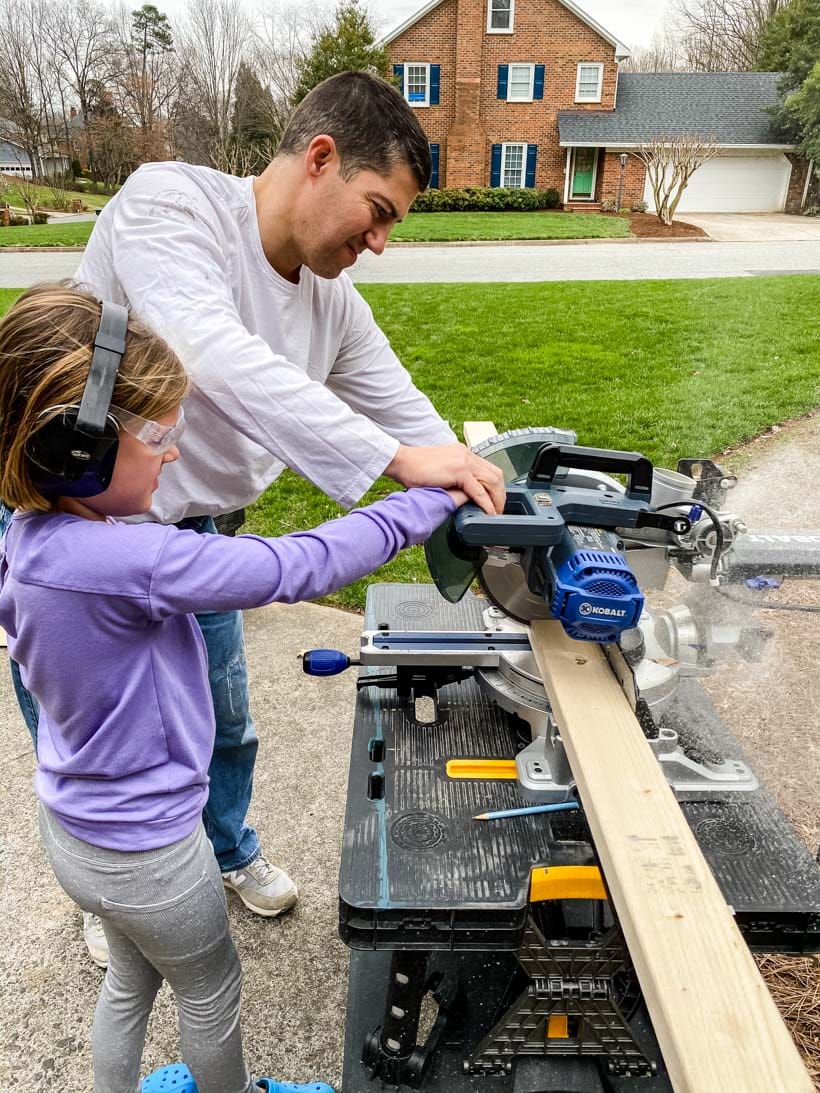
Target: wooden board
716 1023
476 432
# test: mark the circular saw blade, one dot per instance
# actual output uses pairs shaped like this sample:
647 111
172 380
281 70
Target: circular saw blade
506 586
501 576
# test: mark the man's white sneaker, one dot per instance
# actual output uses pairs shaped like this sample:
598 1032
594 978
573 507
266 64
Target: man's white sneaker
262 887
95 939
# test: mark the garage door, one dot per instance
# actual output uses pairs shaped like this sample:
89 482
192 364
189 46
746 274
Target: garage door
735 184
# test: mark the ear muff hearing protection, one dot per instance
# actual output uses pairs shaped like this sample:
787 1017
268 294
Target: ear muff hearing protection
73 455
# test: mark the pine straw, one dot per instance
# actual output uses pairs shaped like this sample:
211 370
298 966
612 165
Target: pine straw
794 982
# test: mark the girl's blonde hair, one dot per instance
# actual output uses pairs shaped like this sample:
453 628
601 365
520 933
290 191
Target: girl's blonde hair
46 345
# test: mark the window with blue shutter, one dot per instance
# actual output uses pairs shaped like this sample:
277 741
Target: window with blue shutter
419 82
495 166
532 155
503 77
434 152
538 86
435 84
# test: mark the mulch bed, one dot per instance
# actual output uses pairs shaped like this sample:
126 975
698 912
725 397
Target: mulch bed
794 982
648 226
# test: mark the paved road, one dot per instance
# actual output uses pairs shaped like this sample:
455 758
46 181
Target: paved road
574 262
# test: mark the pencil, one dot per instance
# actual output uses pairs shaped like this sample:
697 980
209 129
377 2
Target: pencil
563 806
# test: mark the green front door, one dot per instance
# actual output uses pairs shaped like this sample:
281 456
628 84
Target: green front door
583 173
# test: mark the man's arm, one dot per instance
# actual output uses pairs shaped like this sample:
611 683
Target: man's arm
368 375
177 280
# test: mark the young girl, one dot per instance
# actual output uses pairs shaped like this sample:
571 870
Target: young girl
99 616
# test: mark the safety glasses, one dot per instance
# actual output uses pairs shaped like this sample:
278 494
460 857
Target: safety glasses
157 438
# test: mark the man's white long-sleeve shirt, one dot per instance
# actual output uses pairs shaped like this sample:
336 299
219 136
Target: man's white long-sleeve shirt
282 374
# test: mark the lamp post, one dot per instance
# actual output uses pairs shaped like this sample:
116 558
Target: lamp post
623 157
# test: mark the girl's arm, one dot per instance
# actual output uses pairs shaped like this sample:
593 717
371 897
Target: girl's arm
195 572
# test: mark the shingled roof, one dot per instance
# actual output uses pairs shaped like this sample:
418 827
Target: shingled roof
729 107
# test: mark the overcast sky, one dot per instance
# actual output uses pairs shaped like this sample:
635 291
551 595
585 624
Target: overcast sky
632 21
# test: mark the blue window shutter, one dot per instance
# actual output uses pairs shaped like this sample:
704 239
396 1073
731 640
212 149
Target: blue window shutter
538 85
398 72
434 174
532 153
503 77
435 83
495 166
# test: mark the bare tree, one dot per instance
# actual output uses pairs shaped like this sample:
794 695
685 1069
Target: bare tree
82 34
27 80
665 53
214 40
670 163
723 35
283 39
147 79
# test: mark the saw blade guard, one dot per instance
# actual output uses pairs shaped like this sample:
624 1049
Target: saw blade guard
555 552
453 565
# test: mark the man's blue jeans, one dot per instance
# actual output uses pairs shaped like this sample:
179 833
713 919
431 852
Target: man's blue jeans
231 770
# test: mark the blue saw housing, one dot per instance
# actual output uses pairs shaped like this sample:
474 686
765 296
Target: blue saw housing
595 594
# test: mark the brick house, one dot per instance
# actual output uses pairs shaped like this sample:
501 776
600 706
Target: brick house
528 93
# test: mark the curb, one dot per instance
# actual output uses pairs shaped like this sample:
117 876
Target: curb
554 242
402 244
41 250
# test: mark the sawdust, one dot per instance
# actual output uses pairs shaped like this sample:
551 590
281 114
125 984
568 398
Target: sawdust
773 708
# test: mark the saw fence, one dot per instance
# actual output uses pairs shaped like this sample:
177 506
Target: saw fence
699 980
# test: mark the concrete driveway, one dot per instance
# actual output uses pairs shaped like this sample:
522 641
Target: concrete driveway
755 227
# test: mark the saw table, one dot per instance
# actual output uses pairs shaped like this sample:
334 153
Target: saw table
493 954
496 934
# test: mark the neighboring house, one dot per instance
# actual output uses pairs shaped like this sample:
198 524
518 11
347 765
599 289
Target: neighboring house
528 93
14 160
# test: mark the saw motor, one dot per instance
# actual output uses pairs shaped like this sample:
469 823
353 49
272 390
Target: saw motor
556 552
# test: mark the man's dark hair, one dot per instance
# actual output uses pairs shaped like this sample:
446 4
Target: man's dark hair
372 125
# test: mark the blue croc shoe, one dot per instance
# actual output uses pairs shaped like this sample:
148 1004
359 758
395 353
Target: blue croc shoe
268 1085
175 1078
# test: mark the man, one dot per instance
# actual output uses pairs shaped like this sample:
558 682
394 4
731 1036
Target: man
245 278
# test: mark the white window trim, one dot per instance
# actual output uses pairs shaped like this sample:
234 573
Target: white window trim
514 144
520 64
500 30
406 82
589 64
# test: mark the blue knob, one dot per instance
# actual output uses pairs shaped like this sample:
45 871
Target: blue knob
324 662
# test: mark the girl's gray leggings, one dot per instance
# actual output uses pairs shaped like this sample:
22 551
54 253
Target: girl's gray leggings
165 917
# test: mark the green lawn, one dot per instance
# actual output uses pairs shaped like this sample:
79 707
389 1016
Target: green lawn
418 227
443 227
73 234
45 196
669 368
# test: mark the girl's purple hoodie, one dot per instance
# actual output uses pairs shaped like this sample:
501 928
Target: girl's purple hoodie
100 618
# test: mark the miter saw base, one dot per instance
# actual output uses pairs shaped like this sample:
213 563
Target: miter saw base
437 909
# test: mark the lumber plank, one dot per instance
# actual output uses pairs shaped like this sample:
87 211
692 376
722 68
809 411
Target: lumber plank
717 1025
476 432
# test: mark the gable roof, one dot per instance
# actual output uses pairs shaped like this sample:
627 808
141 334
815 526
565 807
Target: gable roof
729 107
620 49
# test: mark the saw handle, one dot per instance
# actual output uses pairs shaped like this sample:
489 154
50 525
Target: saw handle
635 466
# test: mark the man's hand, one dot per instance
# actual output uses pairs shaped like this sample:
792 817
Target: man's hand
451 466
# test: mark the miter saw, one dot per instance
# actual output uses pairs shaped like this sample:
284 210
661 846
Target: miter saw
532 985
